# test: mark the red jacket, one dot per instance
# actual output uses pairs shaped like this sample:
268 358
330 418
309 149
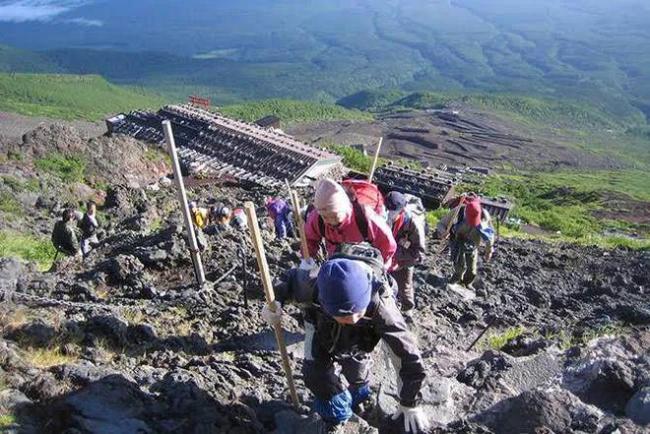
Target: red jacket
379 234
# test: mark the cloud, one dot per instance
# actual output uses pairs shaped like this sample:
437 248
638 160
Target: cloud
85 22
19 11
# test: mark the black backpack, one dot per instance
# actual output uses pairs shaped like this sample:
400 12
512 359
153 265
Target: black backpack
372 257
86 226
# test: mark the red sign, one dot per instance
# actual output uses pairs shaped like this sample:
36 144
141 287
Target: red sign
200 102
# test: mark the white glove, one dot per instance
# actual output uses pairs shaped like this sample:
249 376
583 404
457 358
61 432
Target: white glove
414 419
307 264
272 318
310 266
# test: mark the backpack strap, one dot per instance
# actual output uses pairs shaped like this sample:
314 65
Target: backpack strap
321 225
361 219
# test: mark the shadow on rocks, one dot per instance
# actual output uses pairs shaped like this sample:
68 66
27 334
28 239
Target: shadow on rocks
116 405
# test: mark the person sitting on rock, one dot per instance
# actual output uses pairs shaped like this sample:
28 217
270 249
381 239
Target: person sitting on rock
88 226
351 303
199 215
472 225
281 214
64 234
407 223
337 220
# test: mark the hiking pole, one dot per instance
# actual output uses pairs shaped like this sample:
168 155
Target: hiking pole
242 255
478 338
304 248
270 295
451 222
374 161
182 197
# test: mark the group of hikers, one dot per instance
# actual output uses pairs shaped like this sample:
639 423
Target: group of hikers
363 292
75 234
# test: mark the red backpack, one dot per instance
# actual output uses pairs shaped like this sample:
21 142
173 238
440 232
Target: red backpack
365 193
361 193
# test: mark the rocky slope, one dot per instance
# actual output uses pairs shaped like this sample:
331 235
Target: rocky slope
125 343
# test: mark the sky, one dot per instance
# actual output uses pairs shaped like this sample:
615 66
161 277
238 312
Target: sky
19 11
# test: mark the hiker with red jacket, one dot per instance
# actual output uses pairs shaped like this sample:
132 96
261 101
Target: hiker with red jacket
339 220
407 224
472 225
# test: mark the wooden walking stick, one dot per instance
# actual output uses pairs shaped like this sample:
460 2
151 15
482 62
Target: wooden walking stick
374 161
450 223
270 295
295 200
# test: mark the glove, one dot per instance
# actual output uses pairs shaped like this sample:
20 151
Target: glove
272 318
414 419
310 266
307 264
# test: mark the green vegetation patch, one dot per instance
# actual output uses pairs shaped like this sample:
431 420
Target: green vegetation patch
565 202
9 204
18 185
66 96
498 341
27 247
527 109
292 111
7 420
69 168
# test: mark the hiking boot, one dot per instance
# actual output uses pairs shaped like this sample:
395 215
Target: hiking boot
408 316
354 425
366 408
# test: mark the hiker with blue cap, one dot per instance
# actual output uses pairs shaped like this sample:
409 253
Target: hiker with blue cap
350 306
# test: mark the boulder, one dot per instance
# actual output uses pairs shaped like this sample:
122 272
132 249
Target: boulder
638 407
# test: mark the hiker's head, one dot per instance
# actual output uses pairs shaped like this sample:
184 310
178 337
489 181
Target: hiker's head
344 289
91 207
395 201
192 205
68 214
332 202
473 211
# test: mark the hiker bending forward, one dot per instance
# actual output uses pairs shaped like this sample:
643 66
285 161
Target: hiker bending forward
407 223
472 226
351 307
339 220
64 234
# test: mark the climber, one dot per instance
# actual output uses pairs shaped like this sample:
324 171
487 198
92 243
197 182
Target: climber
88 226
281 214
199 215
239 220
338 220
64 234
351 303
470 224
406 217
219 219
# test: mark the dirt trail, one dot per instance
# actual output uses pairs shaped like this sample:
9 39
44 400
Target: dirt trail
124 342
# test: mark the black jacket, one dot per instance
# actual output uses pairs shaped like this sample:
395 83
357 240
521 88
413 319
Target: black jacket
383 321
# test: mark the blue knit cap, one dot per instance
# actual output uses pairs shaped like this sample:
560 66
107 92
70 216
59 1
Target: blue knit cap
344 287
